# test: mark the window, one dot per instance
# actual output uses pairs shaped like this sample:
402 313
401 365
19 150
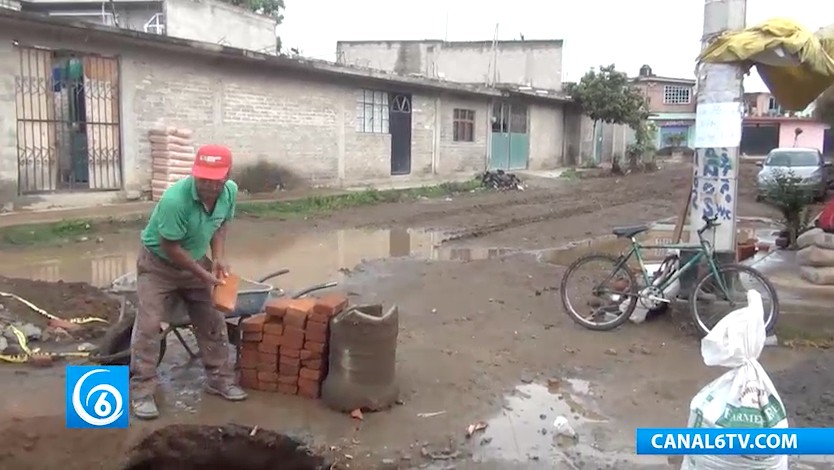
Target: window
156 25
372 112
677 94
464 125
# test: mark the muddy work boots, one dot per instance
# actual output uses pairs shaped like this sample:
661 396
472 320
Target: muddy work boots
145 407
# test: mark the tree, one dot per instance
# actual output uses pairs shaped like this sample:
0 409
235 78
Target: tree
785 192
607 95
824 107
272 8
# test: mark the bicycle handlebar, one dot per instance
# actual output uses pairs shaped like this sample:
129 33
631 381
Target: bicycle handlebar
709 222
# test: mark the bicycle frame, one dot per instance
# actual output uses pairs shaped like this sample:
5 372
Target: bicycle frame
704 250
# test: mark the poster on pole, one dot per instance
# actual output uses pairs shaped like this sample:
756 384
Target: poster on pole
718 125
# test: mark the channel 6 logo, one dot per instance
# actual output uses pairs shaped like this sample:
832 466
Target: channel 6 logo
96 396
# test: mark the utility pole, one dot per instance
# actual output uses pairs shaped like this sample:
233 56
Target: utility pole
718 134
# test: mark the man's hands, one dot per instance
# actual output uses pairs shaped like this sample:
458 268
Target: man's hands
217 274
209 278
220 269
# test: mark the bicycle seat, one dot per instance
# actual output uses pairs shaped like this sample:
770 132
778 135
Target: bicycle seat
628 232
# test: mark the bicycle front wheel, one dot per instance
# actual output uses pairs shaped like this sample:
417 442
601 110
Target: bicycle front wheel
607 292
709 302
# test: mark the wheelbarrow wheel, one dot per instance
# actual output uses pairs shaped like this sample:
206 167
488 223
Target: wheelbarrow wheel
114 347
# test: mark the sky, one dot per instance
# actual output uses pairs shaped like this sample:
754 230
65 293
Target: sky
664 34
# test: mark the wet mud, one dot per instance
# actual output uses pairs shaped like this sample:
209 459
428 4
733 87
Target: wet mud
199 447
482 337
65 300
807 389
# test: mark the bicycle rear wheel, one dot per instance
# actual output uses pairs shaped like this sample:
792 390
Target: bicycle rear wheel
612 294
708 303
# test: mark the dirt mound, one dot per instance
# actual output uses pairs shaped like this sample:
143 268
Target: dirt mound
65 300
45 442
807 389
231 447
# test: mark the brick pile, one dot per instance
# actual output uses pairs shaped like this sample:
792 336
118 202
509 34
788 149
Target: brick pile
172 154
285 348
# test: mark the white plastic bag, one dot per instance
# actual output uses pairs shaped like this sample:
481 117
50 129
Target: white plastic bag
744 397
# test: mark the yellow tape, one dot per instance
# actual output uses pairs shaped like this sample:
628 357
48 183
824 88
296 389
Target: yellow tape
28 353
24 344
21 340
16 358
77 321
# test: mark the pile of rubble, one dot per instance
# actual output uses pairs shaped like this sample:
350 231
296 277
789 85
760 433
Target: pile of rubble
501 180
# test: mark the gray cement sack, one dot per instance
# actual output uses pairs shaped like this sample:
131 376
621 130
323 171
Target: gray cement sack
818 276
363 360
816 237
815 256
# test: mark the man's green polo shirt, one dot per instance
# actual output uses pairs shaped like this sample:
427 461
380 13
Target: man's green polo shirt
180 216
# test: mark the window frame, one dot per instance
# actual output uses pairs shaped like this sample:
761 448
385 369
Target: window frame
670 92
372 112
463 125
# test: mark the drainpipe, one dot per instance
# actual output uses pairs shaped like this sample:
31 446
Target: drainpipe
438 123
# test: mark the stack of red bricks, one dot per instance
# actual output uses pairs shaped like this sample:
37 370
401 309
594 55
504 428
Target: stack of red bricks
285 348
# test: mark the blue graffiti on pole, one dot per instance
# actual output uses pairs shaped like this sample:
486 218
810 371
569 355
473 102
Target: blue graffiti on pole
712 189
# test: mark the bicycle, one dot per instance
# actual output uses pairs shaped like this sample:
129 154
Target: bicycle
651 293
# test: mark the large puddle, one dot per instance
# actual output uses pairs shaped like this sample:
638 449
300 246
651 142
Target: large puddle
530 430
312 258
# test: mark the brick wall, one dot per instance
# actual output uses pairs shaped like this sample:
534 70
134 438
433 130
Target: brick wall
654 93
547 137
304 122
464 156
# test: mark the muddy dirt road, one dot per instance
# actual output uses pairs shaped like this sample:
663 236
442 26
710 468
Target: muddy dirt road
482 337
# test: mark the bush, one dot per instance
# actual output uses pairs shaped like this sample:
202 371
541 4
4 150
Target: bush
785 193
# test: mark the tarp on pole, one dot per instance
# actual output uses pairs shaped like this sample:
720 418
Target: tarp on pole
795 64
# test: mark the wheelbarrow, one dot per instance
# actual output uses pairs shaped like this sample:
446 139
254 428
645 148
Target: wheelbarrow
114 347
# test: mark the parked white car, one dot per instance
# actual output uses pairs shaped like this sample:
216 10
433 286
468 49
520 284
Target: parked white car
805 163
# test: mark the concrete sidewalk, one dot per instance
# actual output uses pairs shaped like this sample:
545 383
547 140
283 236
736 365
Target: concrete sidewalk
132 210
806 309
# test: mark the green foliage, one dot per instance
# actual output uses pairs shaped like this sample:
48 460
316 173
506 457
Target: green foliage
675 140
785 193
607 95
271 8
327 204
643 148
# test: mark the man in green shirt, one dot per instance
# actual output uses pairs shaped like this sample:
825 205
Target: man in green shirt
190 219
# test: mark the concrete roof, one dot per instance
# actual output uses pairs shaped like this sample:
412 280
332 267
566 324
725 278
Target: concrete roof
656 78
11 18
507 42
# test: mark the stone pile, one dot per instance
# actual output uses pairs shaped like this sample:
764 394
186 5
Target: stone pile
172 154
285 348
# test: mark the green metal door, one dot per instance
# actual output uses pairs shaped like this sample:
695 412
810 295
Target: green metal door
519 139
500 157
510 140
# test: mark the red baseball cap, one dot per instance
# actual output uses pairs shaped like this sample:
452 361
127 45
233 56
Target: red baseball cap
213 162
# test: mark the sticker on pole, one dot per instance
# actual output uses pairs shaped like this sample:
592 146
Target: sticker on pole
718 125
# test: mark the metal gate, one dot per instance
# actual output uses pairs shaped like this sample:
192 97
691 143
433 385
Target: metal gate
510 140
759 139
68 133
